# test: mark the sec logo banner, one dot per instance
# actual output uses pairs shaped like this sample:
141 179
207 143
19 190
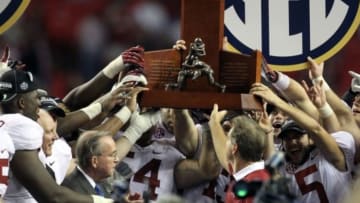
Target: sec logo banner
10 11
287 31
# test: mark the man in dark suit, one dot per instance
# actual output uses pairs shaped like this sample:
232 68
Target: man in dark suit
97 158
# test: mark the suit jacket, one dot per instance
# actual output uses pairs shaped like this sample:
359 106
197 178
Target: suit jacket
76 181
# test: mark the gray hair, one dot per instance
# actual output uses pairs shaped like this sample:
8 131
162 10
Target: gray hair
87 146
249 137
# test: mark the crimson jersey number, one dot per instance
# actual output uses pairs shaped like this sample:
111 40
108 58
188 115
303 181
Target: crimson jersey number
153 181
306 188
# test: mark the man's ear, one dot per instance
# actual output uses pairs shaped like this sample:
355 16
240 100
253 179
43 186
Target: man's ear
234 149
94 161
21 102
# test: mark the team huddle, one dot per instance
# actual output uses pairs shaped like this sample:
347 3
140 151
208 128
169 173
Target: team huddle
78 148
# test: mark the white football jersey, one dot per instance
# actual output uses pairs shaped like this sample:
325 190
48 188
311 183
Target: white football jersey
26 134
60 159
7 151
153 164
161 133
211 191
317 180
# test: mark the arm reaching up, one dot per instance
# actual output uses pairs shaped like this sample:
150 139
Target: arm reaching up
86 93
327 115
218 135
344 114
323 140
290 89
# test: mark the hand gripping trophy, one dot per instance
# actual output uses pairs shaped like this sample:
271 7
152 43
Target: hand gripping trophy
193 67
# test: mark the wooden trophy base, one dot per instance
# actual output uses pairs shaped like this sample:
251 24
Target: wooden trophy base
238 72
199 100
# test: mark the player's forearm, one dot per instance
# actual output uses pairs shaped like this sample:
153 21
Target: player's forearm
329 119
270 145
72 121
208 160
295 93
186 133
219 141
342 111
111 125
123 147
86 93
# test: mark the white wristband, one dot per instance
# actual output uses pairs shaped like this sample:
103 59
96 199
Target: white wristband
325 111
132 134
99 199
123 114
114 67
92 110
318 80
283 82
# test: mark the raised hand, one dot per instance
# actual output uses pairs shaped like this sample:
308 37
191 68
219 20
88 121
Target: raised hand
180 45
134 56
132 101
4 61
217 116
271 75
355 82
265 93
114 97
6 55
264 120
129 59
315 70
316 93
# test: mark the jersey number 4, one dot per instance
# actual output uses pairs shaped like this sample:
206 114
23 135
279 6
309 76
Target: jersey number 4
306 188
153 182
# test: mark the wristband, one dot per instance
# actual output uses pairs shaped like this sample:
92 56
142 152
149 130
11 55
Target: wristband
92 110
283 82
123 114
132 134
318 80
114 67
99 199
325 111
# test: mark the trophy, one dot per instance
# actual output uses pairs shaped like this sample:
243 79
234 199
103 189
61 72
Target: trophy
201 78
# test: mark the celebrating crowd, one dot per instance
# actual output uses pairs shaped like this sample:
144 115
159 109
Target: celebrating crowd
98 145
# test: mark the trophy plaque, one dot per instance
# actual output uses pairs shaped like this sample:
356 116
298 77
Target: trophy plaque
203 74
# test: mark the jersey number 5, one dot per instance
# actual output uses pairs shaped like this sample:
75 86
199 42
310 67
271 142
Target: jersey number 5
153 181
306 188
